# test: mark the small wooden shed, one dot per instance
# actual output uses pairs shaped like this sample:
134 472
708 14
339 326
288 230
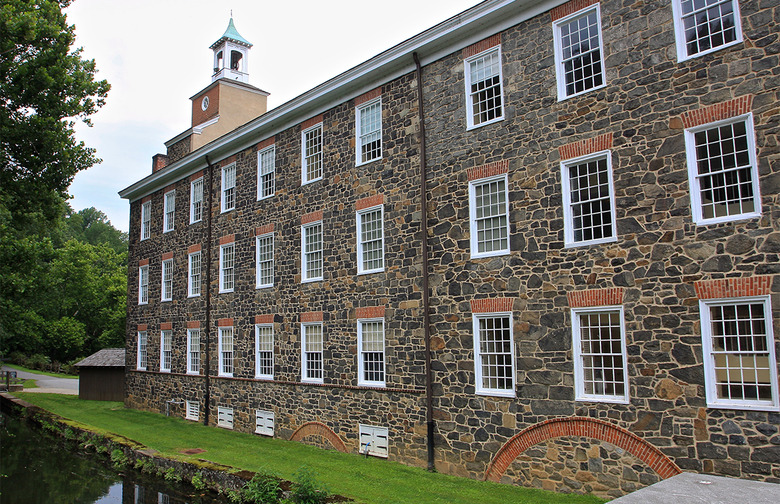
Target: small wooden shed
102 375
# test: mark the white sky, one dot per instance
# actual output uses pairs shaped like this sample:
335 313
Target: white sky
155 54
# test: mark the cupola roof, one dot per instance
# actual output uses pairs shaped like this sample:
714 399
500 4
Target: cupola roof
231 34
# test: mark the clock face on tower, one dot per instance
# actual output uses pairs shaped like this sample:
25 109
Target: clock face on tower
204 104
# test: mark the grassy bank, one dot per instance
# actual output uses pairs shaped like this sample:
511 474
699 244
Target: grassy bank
367 480
37 371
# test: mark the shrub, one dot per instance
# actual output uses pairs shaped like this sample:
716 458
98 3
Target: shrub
172 475
119 458
264 488
306 489
36 361
197 482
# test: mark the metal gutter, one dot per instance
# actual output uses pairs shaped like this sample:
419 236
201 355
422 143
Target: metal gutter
455 33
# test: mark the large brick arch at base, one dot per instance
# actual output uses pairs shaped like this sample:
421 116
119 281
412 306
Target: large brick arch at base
319 429
580 426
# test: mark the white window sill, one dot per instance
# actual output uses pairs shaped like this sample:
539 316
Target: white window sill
471 127
496 393
562 97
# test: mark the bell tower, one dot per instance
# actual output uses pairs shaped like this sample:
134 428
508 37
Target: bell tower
231 53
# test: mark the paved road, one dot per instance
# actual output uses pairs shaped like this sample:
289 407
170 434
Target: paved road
49 384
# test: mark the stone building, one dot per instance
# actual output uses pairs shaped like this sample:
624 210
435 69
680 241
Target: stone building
592 191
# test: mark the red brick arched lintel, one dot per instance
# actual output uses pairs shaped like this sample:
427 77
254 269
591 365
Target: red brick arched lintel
319 429
580 426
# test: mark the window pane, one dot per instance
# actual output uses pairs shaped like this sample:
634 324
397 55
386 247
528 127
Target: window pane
485 93
313 153
490 216
370 134
495 353
601 353
581 53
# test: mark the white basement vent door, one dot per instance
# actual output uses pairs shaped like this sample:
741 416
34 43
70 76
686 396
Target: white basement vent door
373 440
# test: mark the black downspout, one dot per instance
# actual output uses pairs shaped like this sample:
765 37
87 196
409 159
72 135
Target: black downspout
424 246
208 209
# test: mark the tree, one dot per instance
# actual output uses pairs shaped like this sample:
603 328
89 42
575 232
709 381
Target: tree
92 226
44 87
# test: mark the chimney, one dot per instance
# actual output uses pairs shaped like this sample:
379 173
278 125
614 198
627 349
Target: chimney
159 161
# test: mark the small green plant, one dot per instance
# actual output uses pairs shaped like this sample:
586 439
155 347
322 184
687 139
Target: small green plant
264 488
197 482
172 475
119 458
306 489
69 434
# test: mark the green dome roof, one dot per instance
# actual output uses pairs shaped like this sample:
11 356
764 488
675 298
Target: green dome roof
231 34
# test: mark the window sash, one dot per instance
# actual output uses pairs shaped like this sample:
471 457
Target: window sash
165 350
226 351
740 367
589 200
311 247
264 246
194 275
170 211
494 354
371 341
579 52
369 131
146 220
312 353
193 351
196 200
142 355
226 267
702 27
312 154
264 351
600 359
370 240
167 280
266 172
228 187
484 88
143 284
489 208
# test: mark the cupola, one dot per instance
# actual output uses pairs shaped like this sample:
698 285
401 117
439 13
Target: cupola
231 55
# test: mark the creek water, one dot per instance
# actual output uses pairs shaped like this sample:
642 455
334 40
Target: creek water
36 468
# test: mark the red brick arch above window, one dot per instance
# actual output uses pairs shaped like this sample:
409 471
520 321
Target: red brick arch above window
580 426
482 45
570 8
488 170
322 430
595 297
365 312
717 112
585 147
492 305
733 287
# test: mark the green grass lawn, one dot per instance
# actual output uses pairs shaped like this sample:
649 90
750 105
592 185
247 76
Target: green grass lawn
367 480
20 368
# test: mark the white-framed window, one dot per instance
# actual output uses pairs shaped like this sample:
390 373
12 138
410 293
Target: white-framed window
740 367
371 240
166 285
723 171
588 200
143 284
224 417
579 56
311 353
489 212
193 411
264 423
494 362
373 440
484 88
264 250
264 351
368 124
311 154
193 351
196 200
266 172
146 220
169 210
141 356
166 337
227 267
705 26
599 344
371 356
193 274
225 351
311 252
228 200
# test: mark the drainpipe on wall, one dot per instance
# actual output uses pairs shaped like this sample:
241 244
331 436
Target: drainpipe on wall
424 245
207 395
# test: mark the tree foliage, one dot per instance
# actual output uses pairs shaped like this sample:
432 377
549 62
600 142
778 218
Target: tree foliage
62 274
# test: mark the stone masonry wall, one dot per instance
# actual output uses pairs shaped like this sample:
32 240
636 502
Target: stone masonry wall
652 267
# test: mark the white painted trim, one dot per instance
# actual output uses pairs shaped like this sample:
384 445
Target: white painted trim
358 222
679 32
361 380
478 388
473 239
560 74
258 374
469 95
258 284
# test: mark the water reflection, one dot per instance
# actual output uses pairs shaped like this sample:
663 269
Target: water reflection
36 468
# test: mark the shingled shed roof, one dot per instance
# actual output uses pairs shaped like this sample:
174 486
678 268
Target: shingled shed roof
108 357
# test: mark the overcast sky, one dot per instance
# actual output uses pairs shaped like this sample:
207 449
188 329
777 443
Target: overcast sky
155 54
